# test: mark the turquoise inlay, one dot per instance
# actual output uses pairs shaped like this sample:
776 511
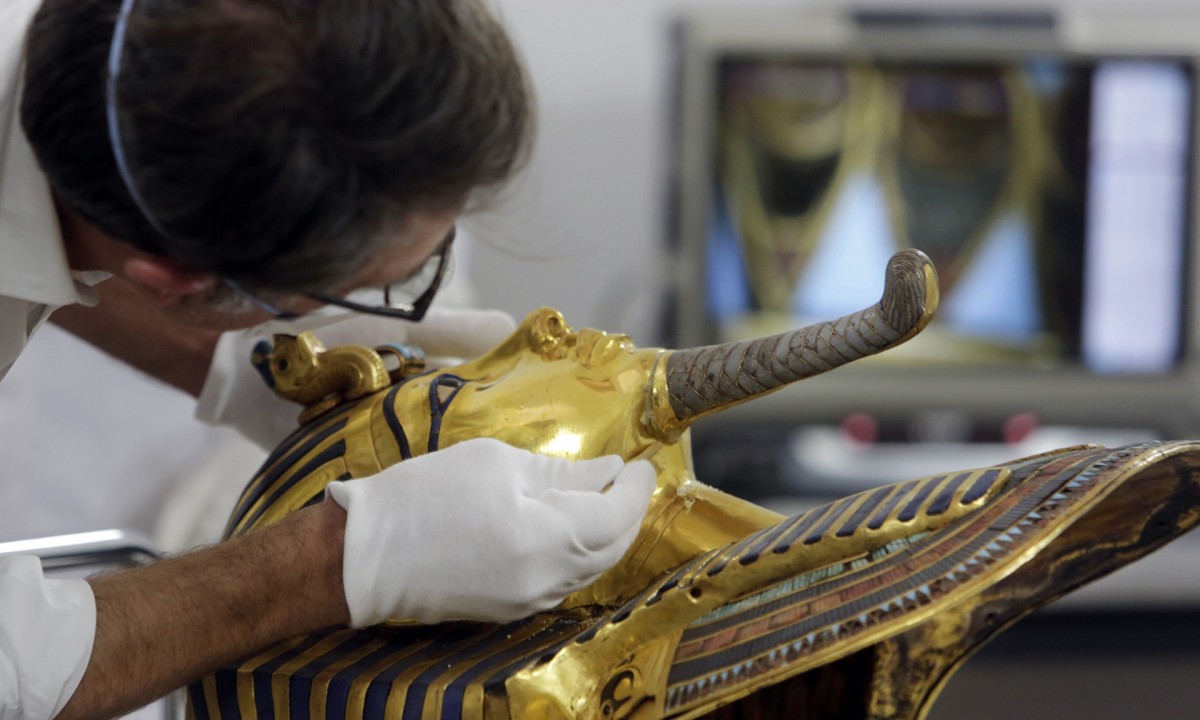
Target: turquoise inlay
766 596
795 584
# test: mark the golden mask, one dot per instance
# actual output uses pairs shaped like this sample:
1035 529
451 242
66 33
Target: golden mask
719 606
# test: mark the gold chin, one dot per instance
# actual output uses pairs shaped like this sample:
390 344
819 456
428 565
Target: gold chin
719 605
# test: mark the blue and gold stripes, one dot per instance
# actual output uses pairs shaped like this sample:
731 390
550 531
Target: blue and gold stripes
415 672
869 511
294 462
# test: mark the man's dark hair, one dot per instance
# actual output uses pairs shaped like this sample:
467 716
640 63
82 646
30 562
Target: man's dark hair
275 141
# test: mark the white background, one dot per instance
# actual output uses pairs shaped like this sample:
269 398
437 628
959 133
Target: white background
87 444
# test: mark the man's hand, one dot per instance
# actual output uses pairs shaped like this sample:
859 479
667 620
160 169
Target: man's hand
484 531
235 395
479 531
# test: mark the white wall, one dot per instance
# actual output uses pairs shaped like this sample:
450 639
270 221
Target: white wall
583 229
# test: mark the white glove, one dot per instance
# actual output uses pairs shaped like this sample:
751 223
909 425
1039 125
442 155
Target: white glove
234 393
484 531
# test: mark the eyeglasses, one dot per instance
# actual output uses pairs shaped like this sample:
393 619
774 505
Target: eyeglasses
408 299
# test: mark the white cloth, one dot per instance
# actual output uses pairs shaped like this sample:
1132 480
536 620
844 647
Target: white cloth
46 626
488 531
46 632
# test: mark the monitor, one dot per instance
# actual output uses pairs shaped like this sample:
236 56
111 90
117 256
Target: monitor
1046 165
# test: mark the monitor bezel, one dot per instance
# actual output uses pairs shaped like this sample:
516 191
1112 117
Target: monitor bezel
1168 404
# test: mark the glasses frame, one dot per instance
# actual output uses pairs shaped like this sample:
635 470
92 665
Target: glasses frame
413 312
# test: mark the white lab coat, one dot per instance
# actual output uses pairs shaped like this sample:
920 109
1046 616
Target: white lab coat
46 626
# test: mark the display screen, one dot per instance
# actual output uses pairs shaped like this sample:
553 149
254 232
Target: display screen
1053 195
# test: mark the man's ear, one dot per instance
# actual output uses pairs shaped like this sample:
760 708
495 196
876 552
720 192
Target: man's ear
165 281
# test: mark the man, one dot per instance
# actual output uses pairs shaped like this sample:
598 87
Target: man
186 164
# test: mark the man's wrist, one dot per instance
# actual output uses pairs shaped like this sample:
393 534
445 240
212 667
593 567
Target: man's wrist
324 528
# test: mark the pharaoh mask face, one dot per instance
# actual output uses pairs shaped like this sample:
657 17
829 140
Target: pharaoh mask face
547 389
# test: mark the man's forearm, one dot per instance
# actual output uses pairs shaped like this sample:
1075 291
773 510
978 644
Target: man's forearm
163 625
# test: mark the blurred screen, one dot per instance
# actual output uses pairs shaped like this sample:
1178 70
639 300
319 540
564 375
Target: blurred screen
1053 196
